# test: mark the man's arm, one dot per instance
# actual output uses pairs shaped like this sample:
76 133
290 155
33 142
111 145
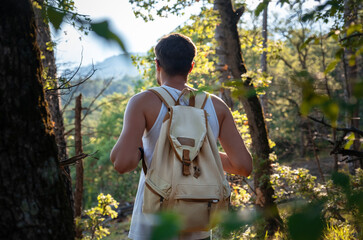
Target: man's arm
125 155
237 159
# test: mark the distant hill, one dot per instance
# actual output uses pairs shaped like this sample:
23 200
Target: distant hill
116 67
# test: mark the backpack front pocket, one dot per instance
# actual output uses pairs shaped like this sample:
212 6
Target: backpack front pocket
156 191
196 213
197 206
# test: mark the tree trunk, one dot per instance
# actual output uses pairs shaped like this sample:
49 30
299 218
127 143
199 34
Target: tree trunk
222 66
264 97
78 195
52 94
33 202
350 17
230 44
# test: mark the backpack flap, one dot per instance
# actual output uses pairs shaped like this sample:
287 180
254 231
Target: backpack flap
187 131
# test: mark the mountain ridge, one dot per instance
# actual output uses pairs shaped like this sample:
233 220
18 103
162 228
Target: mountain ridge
115 67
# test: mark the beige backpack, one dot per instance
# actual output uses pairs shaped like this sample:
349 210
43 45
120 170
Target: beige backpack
186 174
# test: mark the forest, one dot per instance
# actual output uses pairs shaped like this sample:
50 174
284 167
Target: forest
292 78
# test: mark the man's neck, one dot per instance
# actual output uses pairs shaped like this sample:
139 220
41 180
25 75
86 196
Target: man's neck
177 82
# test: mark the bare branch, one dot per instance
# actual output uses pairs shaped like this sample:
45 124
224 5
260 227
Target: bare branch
296 105
287 63
88 76
65 83
70 99
351 129
74 159
249 186
97 96
353 159
351 36
69 132
348 152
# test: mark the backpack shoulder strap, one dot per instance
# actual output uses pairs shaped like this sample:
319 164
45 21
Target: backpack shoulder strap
164 96
201 99
197 99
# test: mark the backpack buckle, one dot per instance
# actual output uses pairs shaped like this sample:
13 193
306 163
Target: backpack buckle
186 163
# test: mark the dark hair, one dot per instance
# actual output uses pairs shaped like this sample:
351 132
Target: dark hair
175 53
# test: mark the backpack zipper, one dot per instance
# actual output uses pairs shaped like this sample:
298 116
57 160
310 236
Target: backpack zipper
161 202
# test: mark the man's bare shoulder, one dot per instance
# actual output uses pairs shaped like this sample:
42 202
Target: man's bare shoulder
219 105
144 99
221 109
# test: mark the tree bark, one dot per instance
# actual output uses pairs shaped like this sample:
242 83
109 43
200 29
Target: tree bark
222 66
230 44
52 94
264 98
78 195
33 201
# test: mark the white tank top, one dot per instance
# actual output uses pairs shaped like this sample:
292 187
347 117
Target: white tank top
141 224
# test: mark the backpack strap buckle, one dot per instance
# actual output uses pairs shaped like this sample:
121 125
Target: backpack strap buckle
186 163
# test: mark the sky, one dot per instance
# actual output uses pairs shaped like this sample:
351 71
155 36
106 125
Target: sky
138 36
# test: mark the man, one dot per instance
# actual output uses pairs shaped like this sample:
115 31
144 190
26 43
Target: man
144 115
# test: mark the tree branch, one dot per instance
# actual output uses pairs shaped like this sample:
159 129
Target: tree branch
76 158
239 12
286 63
94 100
348 152
351 129
351 36
73 159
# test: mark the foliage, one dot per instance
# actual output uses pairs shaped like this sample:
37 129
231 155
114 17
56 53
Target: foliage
147 69
241 122
100 175
319 209
168 225
200 28
101 129
342 231
309 216
291 183
148 9
305 77
344 37
93 223
57 12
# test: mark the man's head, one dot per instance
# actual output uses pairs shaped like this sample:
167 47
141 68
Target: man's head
175 54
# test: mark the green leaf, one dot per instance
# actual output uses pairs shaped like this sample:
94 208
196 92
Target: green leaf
356 200
354 28
331 110
308 16
102 29
307 42
235 220
55 17
331 66
339 53
168 227
341 179
309 218
350 142
261 7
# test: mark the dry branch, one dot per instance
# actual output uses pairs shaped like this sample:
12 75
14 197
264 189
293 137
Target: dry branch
351 129
74 159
